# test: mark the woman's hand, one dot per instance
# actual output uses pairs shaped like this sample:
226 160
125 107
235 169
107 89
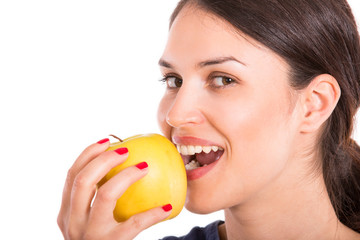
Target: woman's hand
83 216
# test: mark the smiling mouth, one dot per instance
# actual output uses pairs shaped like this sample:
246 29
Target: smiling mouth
199 156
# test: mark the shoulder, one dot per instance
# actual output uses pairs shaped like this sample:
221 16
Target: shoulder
210 232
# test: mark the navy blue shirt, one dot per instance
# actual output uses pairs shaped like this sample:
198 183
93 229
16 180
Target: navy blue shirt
210 232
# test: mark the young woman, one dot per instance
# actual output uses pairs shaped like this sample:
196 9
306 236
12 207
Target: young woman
275 84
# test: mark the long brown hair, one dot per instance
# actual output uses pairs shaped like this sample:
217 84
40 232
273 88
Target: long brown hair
314 37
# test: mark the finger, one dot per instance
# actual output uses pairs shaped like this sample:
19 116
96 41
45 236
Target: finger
107 195
87 155
84 186
139 222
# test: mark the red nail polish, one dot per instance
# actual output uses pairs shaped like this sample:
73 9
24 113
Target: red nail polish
167 207
121 151
103 141
142 165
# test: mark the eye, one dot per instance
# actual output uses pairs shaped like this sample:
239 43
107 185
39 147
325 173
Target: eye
172 81
221 81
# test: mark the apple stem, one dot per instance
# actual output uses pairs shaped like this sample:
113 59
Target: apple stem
111 135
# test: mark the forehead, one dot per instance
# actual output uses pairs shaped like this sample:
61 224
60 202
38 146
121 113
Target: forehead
194 24
191 15
196 35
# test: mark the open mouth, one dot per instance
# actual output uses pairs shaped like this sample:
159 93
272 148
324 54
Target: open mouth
199 156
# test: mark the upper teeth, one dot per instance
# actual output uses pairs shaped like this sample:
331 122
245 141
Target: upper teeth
191 149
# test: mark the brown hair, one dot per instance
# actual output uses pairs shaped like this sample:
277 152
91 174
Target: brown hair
314 37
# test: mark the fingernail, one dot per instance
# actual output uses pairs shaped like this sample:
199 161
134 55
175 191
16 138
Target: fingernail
121 151
167 207
103 141
142 165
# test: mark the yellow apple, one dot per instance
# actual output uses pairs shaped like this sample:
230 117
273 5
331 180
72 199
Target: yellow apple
164 183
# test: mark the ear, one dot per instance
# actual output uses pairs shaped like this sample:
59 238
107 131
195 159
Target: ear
319 99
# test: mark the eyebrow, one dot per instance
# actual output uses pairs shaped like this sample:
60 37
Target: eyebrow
205 63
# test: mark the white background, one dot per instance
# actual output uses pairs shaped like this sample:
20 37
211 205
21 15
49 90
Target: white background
72 72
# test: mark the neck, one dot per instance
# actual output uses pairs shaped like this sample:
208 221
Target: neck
298 209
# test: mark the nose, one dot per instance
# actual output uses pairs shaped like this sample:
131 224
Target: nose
185 109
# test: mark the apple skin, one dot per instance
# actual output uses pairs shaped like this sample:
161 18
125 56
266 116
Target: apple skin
164 183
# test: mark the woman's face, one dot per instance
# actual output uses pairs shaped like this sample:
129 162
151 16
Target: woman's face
227 91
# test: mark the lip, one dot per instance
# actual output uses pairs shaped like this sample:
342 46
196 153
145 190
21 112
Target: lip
189 140
201 171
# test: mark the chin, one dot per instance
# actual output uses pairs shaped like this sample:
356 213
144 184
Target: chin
198 209
199 206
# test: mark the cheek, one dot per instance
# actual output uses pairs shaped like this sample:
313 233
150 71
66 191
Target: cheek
262 130
250 115
163 109
259 133
258 139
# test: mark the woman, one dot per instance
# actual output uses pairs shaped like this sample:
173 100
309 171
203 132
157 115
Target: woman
275 84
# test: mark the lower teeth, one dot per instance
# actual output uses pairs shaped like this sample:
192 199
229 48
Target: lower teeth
193 165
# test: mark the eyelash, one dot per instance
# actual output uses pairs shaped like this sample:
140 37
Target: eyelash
210 80
166 77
